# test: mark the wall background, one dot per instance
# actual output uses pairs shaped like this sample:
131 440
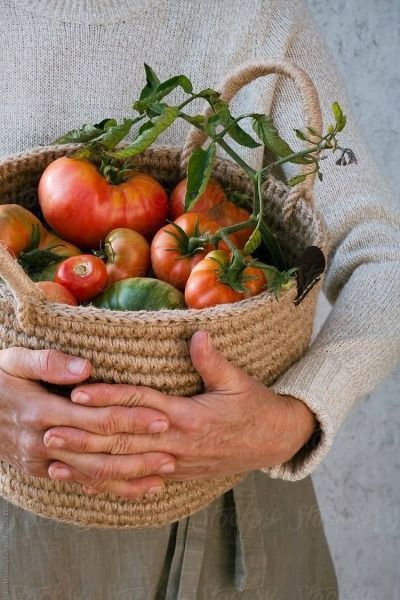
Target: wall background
358 485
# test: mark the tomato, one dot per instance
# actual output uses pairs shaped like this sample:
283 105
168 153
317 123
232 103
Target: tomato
174 254
82 207
127 253
207 284
85 276
140 293
213 194
214 204
24 236
55 292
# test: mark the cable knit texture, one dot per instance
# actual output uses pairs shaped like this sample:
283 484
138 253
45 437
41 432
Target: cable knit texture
68 62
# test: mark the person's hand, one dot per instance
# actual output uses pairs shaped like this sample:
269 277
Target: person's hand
27 410
237 425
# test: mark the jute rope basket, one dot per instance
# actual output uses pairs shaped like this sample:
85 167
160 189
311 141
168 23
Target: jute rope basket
262 335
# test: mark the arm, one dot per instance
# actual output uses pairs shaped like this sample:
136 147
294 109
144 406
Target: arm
360 342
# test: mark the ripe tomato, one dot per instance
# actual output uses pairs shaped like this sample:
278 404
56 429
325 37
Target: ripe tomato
214 204
127 253
55 292
21 231
213 194
85 276
173 255
81 206
207 284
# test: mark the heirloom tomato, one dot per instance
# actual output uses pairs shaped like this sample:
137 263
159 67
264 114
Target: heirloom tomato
55 292
127 253
85 276
179 246
82 206
213 204
211 280
140 293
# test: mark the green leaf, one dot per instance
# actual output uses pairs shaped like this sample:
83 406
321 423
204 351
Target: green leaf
149 135
196 120
296 179
85 134
146 125
198 173
253 242
300 135
339 116
268 134
209 94
223 116
116 133
152 82
168 86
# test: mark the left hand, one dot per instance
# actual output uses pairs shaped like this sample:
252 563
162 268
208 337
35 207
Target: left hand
236 425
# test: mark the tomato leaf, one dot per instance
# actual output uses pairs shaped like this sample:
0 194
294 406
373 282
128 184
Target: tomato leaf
223 117
85 134
152 82
339 116
149 135
198 173
116 133
162 90
296 179
268 133
253 242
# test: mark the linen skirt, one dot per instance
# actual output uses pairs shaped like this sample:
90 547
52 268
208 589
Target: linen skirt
262 540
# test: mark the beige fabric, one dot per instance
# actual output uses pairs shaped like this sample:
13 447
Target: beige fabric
56 73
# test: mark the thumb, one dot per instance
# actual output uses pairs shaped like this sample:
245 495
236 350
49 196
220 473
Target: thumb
215 370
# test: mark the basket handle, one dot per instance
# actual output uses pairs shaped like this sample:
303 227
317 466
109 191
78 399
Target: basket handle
23 288
241 76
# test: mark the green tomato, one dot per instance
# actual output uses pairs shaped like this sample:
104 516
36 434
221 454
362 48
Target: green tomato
140 293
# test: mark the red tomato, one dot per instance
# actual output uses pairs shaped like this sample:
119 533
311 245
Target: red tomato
205 286
85 276
128 254
55 292
172 254
214 204
79 203
213 194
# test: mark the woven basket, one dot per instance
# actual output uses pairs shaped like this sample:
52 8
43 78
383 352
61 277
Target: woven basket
262 335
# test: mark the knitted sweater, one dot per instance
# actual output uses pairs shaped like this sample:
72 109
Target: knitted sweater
69 62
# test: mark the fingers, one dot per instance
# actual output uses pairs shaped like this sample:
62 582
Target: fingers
80 441
103 394
215 370
102 467
51 365
130 489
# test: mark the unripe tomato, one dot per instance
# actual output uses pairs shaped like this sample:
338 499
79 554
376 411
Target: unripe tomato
55 292
85 276
82 207
128 254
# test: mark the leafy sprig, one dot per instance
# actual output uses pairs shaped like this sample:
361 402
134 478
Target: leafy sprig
155 115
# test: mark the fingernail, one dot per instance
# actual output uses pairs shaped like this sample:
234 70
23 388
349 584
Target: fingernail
154 490
89 490
81 398
54 441
76 366
158 426
60 473
167 468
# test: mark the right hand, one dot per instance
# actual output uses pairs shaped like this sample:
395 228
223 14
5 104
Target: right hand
27 410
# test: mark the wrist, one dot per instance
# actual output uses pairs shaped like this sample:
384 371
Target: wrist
301 425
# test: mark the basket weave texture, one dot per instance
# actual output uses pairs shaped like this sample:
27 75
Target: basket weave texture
262 335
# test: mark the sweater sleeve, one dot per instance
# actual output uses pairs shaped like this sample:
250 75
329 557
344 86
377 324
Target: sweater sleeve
360 342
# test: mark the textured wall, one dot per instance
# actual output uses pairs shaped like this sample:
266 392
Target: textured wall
358 485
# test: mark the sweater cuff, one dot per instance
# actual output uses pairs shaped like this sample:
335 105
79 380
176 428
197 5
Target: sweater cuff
324 385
